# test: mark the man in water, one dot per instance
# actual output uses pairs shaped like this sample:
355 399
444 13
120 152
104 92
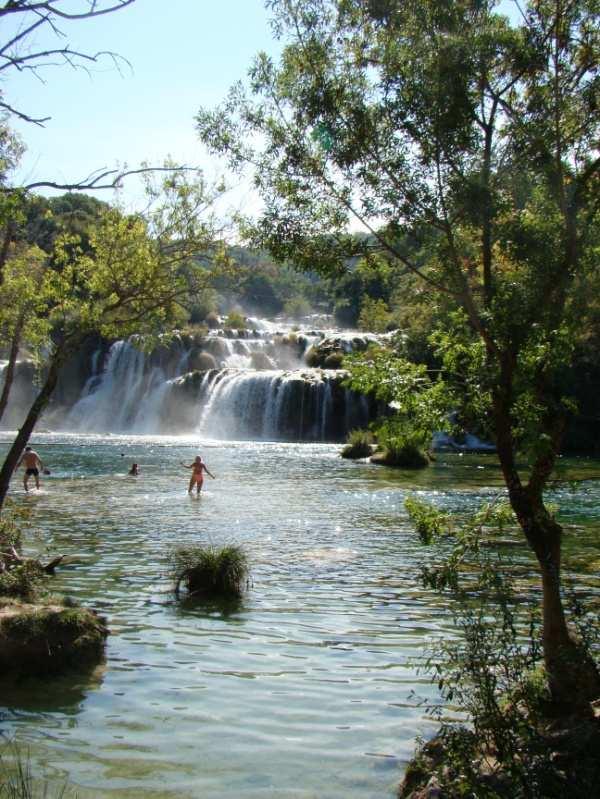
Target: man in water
33 466
197 467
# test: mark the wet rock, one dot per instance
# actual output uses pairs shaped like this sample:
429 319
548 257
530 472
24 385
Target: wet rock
201 361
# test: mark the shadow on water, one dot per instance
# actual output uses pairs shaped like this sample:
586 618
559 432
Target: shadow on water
64 694
204 608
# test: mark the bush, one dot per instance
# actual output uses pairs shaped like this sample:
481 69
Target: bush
401 446
235 321
210 571
24 581
296 308
359 444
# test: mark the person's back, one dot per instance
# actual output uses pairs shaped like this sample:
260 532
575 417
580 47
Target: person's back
33 464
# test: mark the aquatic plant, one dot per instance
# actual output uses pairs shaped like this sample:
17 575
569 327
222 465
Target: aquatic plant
17 780
400 445
359 444
210 571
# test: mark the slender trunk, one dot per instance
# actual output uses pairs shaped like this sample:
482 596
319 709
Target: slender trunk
18 445
9 372
573 677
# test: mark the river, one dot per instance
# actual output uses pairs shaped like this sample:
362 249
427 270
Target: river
310 687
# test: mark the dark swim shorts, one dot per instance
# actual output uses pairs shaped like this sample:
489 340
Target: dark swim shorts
32 472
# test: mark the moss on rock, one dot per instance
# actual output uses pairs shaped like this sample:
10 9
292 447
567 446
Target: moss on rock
408 457
48 639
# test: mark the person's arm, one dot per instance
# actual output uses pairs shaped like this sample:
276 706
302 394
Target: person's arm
20 462
207 472
186 466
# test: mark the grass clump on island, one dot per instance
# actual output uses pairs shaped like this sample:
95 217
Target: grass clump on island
210 571
359 444
397 445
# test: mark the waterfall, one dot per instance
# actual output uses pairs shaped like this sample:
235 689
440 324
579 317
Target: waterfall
259 387
126 397
271 405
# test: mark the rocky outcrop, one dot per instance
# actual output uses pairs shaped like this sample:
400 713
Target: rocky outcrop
48 639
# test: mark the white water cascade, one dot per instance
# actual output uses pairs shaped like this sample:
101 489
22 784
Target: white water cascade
260 388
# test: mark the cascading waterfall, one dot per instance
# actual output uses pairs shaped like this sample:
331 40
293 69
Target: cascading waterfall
128 390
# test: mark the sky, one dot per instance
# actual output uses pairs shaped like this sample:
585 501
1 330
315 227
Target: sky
184 54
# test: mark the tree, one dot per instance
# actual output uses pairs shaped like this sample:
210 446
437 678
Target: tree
130 279
422 115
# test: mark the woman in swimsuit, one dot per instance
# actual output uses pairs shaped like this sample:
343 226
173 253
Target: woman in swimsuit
197 467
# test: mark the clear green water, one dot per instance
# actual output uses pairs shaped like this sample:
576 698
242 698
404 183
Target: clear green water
310 688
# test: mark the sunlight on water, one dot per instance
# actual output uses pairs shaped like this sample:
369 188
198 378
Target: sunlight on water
308 688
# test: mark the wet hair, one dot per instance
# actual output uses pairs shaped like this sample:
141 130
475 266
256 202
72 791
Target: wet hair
27 449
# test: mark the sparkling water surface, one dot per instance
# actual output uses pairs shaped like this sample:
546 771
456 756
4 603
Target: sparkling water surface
310 687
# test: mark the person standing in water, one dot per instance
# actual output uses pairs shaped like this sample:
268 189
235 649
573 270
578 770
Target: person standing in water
33 466
197 467
135 470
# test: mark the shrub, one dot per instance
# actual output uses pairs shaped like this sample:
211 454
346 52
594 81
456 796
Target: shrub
235 321
296 308
23 581
518 744
400 445
210 571
359 444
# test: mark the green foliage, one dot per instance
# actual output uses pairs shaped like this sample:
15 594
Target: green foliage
235 321
402 443
296 308
493 672
24 581
430 523
18 580
210 571
359 444
374 315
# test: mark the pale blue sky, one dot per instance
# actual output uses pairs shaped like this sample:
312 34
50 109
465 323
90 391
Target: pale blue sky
181 59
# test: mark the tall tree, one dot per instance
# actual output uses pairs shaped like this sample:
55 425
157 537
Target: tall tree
412 114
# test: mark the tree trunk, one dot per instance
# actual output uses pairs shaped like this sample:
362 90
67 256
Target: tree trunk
16 450
573 677
9 372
